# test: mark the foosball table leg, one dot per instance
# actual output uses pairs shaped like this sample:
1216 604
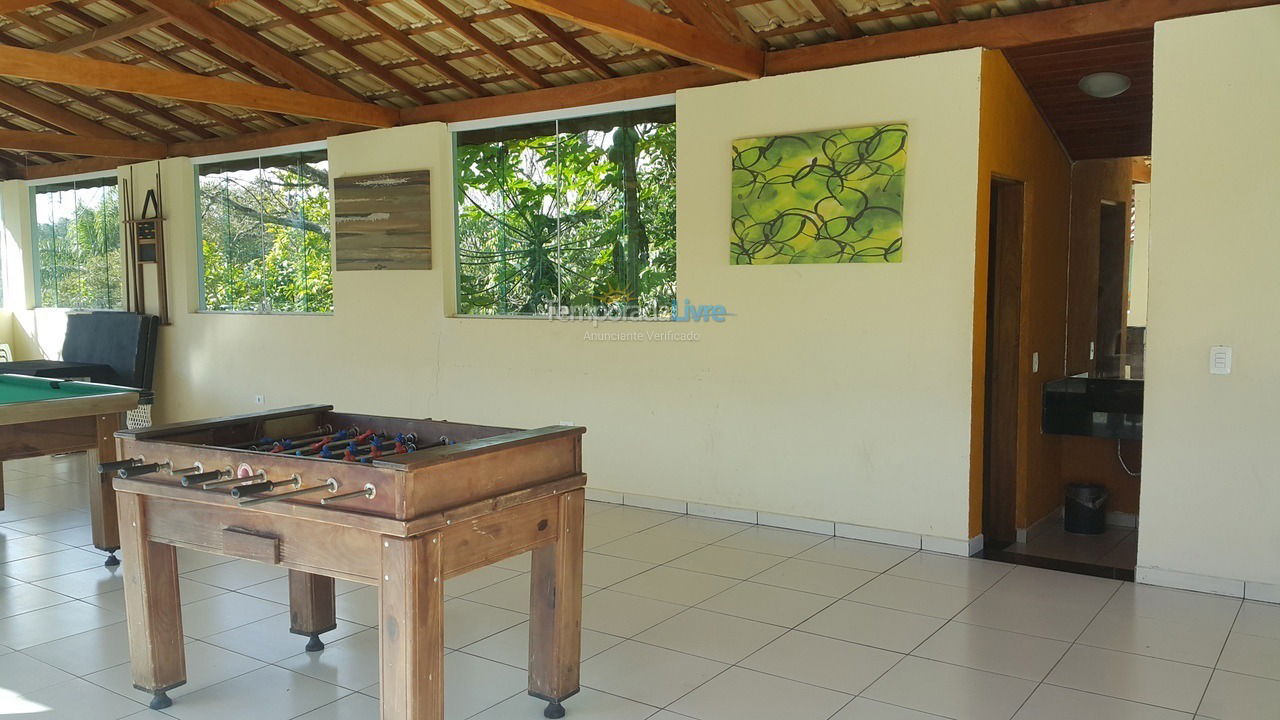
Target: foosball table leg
555 610
102 496
154 611
312 607
412 628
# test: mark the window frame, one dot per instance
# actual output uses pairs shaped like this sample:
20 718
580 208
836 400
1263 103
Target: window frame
33 301
198 281
454 288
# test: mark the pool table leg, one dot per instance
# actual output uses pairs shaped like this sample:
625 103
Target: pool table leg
555 610
102 496
412 628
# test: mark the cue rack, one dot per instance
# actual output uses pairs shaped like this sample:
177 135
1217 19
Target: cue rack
145 246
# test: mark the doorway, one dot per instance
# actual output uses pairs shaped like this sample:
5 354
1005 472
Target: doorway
1004 310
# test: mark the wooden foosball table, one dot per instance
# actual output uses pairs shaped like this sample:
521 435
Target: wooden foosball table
400 504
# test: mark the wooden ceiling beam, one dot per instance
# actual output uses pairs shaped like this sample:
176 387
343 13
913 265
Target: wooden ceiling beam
716 17
411 46
217 29
646 28
464 28
53 114
998 33
8 6
336 45
943 9
106 33
78 145
84 72
548 27
75 167
838 20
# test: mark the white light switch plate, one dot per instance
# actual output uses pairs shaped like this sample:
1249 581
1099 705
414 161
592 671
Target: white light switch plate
1220 360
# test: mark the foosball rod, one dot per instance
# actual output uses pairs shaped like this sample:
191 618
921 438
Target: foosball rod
319 447
318 431
240 491
301 443
204 477
330 485
368 492
256 477
359 454
333 447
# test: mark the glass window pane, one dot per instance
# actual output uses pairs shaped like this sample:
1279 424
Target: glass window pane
78 253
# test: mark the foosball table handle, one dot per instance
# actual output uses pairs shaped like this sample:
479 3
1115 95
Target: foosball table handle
111 468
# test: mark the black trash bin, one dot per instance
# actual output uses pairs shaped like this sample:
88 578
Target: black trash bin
1083 510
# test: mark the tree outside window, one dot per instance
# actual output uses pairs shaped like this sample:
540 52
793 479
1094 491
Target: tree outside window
264 234
577 213
78 256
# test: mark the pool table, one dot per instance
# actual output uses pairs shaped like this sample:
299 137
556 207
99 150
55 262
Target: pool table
41 416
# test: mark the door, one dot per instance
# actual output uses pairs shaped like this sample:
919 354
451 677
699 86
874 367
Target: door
1004 310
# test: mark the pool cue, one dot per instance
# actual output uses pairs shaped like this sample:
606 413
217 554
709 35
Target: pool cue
330 485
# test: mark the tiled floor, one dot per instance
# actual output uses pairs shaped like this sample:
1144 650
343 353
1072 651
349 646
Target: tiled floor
684 618
1116 548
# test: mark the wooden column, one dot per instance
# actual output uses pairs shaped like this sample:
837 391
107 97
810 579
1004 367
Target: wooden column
412 628
152 606
555 609
102 496
312 606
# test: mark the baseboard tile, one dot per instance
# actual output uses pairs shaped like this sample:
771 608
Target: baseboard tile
1190 581
719 512
948 546
878 535
1262 592
607 496
792 522
656 503
976 544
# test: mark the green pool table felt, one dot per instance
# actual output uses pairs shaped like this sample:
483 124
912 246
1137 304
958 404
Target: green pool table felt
15 389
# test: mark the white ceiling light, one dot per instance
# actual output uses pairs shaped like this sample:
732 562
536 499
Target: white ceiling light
1104 84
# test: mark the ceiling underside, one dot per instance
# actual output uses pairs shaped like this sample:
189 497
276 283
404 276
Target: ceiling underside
412 53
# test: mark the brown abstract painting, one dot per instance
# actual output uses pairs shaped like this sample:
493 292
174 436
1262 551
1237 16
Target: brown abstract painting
383 222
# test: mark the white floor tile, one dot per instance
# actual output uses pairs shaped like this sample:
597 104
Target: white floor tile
1050 702
87 652
1261 619
624 615
605 570
1057 618
729 562
52 623
22 597
60 562
352 707
1164 683
826 662
951 570
476 580
24 675
871 625
268 693
655 549
669 584
220 613
74 699
768 604
811 577
237 574
711 635
269 639
668 675
951 691
1179 606
917 596
351 662
773 541
857 554
27 546
510 594
473 684
190 591
631 518
52 522
511 646
1252 655
360 606
740 694
1240 697
277 590
206 666
466 622
586 704
1184 641
698 529
86 583
866 709
998 651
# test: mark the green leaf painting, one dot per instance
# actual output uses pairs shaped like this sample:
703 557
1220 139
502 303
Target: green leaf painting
833 196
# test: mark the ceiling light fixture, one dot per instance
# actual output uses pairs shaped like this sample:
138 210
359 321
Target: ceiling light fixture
1104 84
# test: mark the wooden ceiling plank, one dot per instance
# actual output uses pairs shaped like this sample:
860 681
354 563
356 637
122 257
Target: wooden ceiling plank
646 28
74 167
218 29
548 27
837 19
996 33
106 33
464 28
943 9
78 145
84 72
716 17
53 114
411 46
138 121
336 45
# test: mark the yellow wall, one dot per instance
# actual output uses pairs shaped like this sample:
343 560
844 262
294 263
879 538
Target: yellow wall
1017 145
834 392
1211 463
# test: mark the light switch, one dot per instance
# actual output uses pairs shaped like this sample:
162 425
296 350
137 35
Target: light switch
1220 360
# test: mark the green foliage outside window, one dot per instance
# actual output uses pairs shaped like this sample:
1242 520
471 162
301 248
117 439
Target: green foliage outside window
264 235
78 260
577 213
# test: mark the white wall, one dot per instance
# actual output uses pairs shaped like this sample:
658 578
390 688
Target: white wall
1211 462
840 393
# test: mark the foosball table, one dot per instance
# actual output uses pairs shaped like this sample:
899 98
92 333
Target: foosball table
400 504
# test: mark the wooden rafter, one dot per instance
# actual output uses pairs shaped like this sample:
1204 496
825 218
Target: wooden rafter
837 19
657 32
53 114
218 29
548 27
77 145
106 33
38 66
716 17
336 45
943 9
135 118
8 6
409 45
473 34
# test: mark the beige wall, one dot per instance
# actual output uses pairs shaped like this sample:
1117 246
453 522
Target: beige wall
840 393
1211 463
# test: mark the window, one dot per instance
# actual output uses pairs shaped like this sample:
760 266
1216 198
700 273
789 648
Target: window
78 261
578 213
264 234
